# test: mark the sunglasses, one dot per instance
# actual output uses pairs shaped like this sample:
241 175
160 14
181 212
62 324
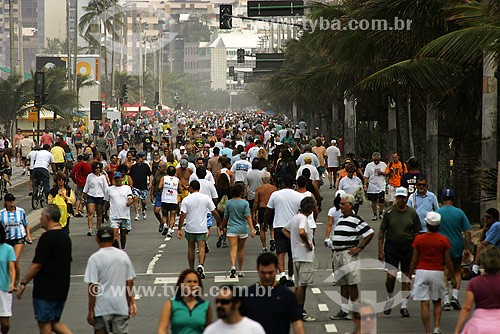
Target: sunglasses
421 184
223 301
488 216
368 316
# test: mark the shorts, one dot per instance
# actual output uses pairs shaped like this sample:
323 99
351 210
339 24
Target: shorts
6 171
121 223
142 194
78 146
158 200
95 200
260 216
391 193
282 242
195 236
239 235
396 254
182 195
333 170
210 219
169 206
347 268
376 197
79 193
60 166
5 304
47 310
23 159
321 170
14 242
429 284
303 273
112 323
250 203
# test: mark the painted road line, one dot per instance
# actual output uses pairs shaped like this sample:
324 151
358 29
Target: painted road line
220 279
152 264
323 307
316 291
163 246
331 328
165 280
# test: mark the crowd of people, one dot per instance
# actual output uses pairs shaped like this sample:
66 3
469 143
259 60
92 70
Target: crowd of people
240 176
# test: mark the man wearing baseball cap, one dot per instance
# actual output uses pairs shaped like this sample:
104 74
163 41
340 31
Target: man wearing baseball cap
454 222
431 252
400 225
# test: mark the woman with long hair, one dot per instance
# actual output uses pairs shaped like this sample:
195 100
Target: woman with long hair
187 312
62 189
95 188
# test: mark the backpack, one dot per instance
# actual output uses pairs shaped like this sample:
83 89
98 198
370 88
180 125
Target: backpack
221 206
282 168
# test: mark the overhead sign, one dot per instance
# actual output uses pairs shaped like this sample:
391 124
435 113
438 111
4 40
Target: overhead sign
275 8
269 61
33 115
85 64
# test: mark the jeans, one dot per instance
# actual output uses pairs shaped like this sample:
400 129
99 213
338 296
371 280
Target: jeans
42 174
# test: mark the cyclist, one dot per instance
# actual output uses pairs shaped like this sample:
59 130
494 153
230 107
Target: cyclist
59 156
5 167
13 219
41 168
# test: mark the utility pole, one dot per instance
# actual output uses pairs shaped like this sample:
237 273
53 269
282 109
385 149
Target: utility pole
68 50
75 52
160 71
20 34
12 38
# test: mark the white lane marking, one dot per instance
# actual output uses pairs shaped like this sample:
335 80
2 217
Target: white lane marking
163 246
331 328
165 280
315 291
220 279
151 264
160 251
168 239
319 223
323 307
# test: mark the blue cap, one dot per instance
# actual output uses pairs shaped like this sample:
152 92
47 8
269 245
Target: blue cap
448 193
117 175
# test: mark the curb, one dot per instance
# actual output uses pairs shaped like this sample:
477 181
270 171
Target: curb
19 185
33 219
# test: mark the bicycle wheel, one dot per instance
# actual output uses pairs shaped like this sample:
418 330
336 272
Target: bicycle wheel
34 199
41 197
2 188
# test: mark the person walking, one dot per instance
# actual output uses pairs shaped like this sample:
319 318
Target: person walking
79 175
375 184
400 225
423 201
194 211
50 270
186 312
169 187
262 195
395 170
95 189
236 217
141 175
64 197
108 269
454 224
230 319
431 252
333 159
7 281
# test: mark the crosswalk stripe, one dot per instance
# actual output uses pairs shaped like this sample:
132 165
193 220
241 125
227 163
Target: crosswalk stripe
315 291
165 280
163 246
220 279
323 307
331 328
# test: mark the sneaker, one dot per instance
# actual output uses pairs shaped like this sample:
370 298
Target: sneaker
137 217
201 270
89 233
144 215
169 233
447 307
306 317
257 229
289 283
233 273
455 303
197 250
341 315
273 245
160 228
24 173
437 330
283 280
241 274
264 249
388 306
225 245
404 312
331 187
380 216
165 230
219 241
375 217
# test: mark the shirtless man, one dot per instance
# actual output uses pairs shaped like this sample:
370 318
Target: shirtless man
183 173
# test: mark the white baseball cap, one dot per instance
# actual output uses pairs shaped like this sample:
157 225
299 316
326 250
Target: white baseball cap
401 191
433 218
182 148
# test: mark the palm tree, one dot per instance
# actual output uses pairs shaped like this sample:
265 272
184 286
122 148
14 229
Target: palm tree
54 46
14 96
59 99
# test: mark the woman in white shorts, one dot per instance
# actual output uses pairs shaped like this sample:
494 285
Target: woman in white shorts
237 217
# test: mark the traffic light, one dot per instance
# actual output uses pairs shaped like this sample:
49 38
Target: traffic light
157 98
40 95
225 16
124 93
241 56
231 71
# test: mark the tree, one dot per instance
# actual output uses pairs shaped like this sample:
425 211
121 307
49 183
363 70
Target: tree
14 96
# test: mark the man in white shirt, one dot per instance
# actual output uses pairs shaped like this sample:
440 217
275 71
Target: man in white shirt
122 156
41 168
194 210
314 172
252 152
307 153
301 239
107 269
333 154
283 205
231 321
241 167
375 184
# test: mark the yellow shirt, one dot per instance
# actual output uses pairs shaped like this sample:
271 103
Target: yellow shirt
58 153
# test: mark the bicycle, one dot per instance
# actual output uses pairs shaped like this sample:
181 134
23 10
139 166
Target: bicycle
3 186
38 197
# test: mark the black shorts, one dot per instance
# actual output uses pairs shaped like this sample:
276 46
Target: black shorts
260 216
6 171
169 206
396 254
78 145
14 242
60 166
380 197
282 242
250 203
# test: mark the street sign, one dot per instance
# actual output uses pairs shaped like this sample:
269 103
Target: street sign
268 61
275 8
33 115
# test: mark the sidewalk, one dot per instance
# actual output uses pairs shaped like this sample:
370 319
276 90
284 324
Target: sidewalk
17 179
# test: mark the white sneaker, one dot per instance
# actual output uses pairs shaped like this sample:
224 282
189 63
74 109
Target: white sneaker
137 217
144 215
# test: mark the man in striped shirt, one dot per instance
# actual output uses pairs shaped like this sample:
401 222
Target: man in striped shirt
351 236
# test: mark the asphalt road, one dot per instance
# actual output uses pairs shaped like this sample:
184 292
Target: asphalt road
145 245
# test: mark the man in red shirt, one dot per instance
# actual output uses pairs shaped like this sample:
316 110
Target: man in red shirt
79 175
46 138
431 251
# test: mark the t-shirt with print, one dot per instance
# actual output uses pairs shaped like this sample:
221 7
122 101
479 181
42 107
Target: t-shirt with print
170 189
6 255
395 170
431 248
237 210
376 182
118 198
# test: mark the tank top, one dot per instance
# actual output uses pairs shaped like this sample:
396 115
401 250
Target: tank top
169 192
112 171
125 180
186 321
155 166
